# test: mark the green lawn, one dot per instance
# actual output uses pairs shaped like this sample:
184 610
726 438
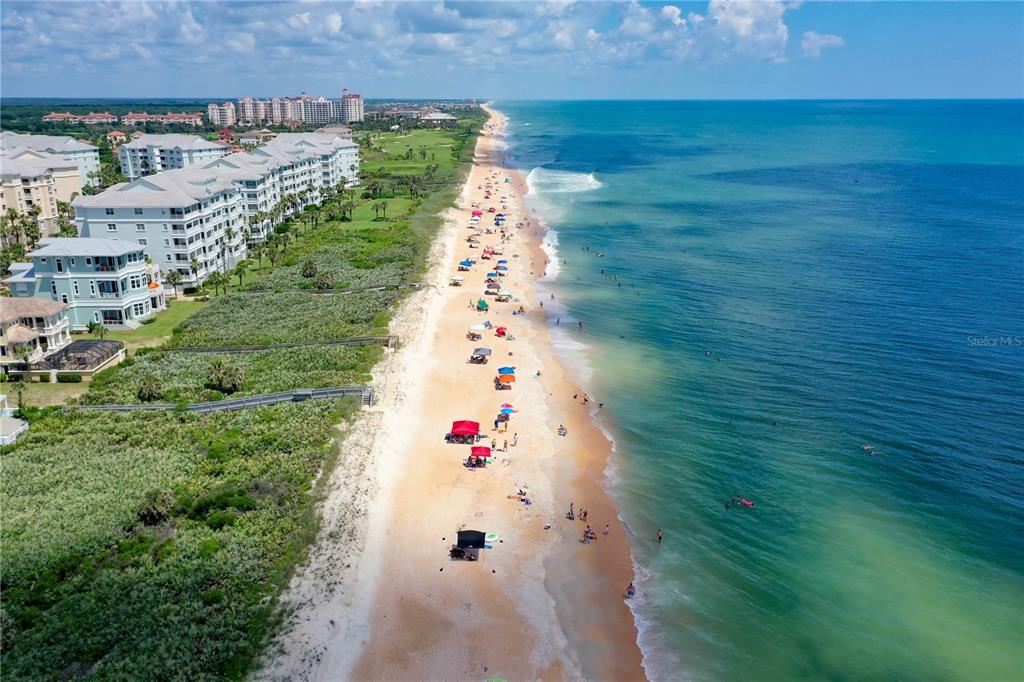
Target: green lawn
155 333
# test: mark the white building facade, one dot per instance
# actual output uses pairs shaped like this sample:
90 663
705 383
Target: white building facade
351 107
221 114
85 156
190 220
155 153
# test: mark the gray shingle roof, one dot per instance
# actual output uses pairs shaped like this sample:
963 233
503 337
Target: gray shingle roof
84 246
46 143
172 141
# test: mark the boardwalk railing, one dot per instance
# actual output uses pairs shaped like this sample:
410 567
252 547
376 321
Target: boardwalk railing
364 393
389 341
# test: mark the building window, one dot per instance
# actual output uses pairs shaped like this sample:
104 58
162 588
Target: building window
96 316
88 260
140 227
72 260
60 264
139 310
92 287
111 227
136 281
143 242
167 242
138 211
168 257
53 287
109 211
63 298
75 284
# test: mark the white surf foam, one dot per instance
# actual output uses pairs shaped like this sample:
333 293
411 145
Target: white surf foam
542 180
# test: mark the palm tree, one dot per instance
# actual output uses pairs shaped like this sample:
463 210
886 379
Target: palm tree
97 329
384 209
18 387
260 251
376 211
347 208
194 267
224 256
240 271
173 278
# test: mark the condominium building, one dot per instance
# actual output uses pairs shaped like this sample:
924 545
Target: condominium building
184 219
170 118
85 156
221 114
154 153
351 107
99 280
30 330
91 119
31 179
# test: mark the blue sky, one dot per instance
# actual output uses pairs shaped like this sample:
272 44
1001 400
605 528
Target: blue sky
513 50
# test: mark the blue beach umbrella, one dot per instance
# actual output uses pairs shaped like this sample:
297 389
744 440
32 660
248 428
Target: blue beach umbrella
507 410
501 268
502 261
506 370
466 264
492 274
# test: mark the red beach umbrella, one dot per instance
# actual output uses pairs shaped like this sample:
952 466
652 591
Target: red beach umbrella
480 451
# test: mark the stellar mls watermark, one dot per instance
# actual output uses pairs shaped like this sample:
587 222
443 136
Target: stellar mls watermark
995 341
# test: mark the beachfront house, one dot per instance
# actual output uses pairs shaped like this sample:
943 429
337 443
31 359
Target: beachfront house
96 280
30 330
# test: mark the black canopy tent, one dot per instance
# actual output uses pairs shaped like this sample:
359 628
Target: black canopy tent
471 539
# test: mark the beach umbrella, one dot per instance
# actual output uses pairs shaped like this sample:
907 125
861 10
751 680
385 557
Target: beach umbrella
471 539
466 264
493 286
500 331
477 212
492 274
507 410
465 428
506 404
500 268
507 378
482 304
506 370
503 261
482 351
480 451
505 292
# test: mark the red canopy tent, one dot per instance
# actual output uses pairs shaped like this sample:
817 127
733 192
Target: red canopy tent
507 378
478 212
465 428
500 331
480 451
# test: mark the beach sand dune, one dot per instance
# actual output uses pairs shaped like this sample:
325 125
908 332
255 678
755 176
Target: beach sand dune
379 598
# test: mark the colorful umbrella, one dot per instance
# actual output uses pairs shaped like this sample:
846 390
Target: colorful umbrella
506 370
480 451
507 378
466 264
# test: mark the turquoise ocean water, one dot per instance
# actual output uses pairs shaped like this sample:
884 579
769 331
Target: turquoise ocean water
859 269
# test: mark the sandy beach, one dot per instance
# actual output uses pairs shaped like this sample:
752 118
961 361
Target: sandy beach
380 599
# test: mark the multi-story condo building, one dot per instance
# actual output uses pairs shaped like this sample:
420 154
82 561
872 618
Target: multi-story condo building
154 153
351 107
221 114
319 110
85 156
99 280
190 220
170 118
91 119
30 330
30 179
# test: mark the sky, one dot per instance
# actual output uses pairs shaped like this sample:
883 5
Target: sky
562 49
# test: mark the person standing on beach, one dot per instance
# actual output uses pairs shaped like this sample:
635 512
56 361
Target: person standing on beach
630 590
504 447
607 529
515 439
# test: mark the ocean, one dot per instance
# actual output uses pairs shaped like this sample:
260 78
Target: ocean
766 289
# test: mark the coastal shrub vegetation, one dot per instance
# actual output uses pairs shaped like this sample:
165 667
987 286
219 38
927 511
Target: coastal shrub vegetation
260 319
145 546
184 376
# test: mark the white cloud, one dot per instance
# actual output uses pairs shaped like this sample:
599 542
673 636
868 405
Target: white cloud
142 52
813 43
673 14
333 23
243 42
